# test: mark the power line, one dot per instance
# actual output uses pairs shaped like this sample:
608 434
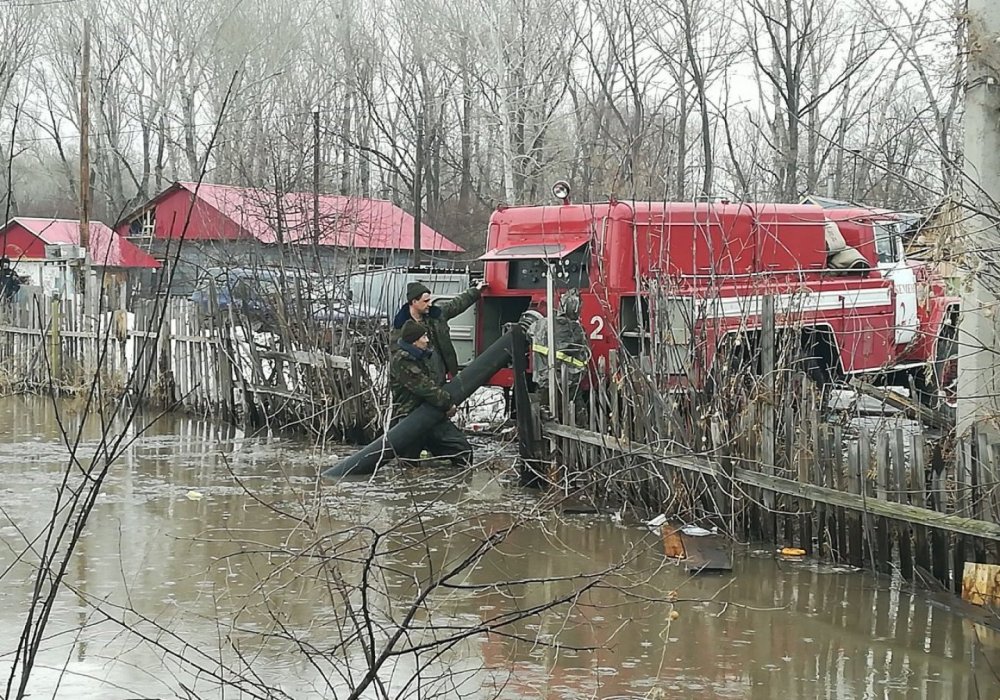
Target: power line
36 3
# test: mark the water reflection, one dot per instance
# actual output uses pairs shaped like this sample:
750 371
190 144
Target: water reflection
237 575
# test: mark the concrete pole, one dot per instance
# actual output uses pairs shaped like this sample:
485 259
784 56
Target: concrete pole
418 190
85 159
978 359
85 138
550 328
317 231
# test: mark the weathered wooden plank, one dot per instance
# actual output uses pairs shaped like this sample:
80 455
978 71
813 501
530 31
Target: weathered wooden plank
918 474
940 546
707 554
900 490
855 539
818 470
768 436
981 584
912 410
839 484
724 491
310 358
984 479
959 556
703 465
883 489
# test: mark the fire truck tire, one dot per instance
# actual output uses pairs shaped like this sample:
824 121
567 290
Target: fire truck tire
935 382
810 371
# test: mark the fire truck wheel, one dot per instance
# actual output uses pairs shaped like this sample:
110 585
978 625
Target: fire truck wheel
811 372
935 383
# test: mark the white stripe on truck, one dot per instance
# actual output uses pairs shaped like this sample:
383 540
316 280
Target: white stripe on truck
798 302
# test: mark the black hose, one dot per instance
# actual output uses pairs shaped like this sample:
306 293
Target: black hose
407 431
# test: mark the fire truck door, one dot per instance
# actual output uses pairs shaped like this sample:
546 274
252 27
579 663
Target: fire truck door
892 263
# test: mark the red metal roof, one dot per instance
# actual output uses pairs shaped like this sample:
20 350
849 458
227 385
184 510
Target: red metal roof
107 248
344 221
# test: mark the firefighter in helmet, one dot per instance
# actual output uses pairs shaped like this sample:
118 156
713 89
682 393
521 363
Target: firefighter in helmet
571 348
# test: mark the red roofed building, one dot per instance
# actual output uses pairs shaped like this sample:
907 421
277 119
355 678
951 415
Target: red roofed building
207 226
29 244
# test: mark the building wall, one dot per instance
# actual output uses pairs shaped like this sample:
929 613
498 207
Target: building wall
19 242
205 222
54 277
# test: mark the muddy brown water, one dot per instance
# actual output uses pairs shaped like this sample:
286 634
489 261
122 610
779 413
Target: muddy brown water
199 575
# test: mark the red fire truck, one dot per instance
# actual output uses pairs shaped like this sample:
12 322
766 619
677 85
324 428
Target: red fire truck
673 284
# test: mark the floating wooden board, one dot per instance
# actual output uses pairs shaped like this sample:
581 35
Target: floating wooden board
699 554
673 542
981 584
708 554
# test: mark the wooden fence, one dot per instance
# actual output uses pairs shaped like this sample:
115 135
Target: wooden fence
780 468
171 353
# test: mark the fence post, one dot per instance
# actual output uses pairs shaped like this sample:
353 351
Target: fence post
767 446
55 349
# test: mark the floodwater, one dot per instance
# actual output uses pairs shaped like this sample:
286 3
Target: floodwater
215 566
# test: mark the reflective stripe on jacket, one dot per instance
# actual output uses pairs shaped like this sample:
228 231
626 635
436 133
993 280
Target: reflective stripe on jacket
561 356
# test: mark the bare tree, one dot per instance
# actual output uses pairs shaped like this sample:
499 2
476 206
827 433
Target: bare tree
18 25
784 37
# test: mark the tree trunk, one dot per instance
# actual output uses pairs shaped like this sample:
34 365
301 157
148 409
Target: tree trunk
345 133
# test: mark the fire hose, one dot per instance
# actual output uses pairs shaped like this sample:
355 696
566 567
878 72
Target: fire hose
412 427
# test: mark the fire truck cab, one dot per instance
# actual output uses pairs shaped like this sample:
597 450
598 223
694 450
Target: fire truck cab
671 283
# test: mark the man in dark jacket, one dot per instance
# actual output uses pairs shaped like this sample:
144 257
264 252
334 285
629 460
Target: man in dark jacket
412 382
435 317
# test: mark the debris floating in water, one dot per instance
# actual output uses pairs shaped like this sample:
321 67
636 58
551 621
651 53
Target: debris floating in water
695 531
194 496
657 521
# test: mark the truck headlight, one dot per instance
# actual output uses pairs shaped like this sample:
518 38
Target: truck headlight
560 190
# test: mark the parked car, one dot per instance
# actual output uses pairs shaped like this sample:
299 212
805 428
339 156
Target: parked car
275 297
247 293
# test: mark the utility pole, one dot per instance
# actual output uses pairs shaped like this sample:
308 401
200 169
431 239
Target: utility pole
85 153
418 188
978 361
85 138
316 174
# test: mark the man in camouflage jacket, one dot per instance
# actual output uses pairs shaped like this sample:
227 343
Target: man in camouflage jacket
412 382
435 317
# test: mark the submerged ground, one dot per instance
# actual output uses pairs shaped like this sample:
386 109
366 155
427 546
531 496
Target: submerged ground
214 565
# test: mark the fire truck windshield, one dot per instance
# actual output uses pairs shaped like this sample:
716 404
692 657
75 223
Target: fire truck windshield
886 241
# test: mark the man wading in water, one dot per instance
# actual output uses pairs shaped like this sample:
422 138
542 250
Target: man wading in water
412 382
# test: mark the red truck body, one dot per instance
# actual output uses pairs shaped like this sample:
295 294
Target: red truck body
712 266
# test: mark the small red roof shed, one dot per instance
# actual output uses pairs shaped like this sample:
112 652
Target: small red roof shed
190 211
26 238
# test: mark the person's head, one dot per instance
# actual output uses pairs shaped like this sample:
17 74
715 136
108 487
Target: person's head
418 296
415 334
